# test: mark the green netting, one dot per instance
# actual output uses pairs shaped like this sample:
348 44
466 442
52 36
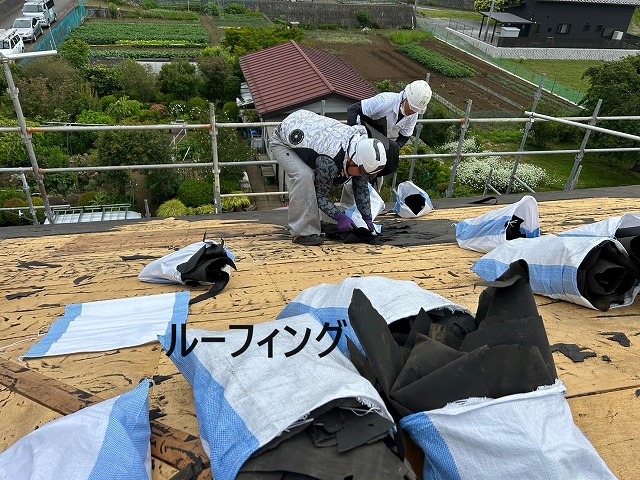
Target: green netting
61 30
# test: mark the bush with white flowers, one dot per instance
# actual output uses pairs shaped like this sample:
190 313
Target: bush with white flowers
474 171
469 145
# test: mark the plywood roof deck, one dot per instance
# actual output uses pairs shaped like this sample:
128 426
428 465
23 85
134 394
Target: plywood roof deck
87 265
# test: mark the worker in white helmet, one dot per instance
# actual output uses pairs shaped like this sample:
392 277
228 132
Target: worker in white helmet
318 153
392 115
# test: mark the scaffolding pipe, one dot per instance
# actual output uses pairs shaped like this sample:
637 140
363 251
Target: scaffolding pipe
527 128
615 133
170 126
26 136
458 157
25 189
580 155
417 141
214 151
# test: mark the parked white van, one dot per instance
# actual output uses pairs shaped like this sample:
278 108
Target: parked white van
43 10
10 42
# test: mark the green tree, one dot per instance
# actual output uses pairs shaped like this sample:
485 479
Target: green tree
241 41
364 19
617 83
124 107
235 8
104 80
485 5
76 52
219 82
82 142
51 83
435 133
137 147
180 79
138 83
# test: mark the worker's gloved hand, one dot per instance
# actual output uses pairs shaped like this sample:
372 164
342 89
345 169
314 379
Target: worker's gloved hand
369 221
344 223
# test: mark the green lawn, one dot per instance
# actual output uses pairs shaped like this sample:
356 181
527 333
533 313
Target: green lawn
596 173
567 72
456 14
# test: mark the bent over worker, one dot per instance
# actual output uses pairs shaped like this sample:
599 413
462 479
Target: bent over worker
318 153
393 115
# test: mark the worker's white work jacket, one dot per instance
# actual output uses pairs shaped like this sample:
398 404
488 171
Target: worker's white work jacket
387 105
310 135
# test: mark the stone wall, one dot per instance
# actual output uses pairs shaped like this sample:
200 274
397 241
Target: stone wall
385 16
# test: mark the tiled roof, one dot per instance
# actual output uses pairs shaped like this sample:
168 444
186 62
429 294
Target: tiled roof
290 74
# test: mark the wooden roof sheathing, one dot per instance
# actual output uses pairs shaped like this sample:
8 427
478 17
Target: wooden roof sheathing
74 267
288 75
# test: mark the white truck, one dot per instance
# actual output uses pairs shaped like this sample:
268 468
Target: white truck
43 10
10 42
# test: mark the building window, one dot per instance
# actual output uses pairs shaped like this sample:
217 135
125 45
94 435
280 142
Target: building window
599 28
587 27
563 28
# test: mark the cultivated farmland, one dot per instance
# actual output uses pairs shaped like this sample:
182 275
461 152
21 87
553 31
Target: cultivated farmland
143 39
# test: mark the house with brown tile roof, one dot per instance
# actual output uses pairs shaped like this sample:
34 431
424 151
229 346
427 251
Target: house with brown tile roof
291 76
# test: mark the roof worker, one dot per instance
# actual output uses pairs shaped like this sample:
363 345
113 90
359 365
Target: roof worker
392 115
316 154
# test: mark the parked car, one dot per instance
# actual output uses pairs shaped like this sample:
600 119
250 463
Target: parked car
28 28
10 42
43 10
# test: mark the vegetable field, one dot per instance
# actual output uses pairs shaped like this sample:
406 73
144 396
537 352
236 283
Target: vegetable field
143 39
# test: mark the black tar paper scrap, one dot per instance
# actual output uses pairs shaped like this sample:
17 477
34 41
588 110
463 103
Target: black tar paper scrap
575 352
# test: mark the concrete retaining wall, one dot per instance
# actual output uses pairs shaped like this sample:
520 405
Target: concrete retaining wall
546 53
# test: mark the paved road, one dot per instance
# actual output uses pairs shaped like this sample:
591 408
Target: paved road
63 7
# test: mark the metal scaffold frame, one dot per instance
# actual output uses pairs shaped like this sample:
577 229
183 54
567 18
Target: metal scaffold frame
215 165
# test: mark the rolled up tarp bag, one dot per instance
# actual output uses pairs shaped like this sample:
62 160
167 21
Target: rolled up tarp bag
489 438
245 397
201 263
595 272
625 229
486 232
412 201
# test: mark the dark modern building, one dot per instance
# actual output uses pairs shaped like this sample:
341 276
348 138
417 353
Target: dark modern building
588 21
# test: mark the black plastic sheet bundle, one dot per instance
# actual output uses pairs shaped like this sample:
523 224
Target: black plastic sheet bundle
503 351
595 272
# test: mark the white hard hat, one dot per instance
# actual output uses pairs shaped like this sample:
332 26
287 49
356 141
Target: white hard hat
418 95
370 155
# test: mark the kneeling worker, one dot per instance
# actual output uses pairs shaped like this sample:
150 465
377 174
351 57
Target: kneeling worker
318 153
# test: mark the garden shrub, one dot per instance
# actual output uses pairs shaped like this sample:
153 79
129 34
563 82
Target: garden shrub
473 172
86 198
235 8
194 193
207 209
171 208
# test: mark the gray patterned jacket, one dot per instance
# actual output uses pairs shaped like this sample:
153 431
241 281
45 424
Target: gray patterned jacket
321 142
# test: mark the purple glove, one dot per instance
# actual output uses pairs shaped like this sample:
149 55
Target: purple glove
367 219
344 223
